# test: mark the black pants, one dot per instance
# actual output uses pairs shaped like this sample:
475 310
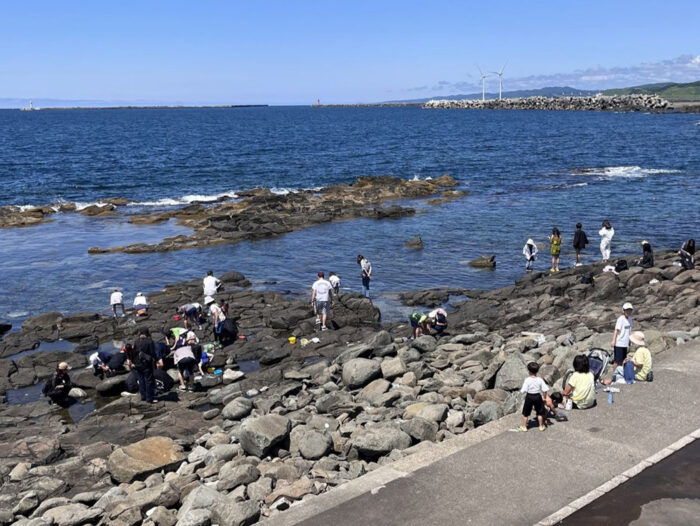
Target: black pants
533 401
147 383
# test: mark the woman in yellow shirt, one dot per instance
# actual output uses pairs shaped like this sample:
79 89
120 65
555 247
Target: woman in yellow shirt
580 387
555 240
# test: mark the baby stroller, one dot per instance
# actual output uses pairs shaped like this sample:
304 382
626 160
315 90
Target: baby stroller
598 360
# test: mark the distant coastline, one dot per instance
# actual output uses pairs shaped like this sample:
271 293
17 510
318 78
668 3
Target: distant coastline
156 107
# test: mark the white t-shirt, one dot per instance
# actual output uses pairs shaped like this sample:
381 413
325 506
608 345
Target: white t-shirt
366 266
116 298
534 385
334 281
322 288
216 311
140 300
182 353
623 328
211 285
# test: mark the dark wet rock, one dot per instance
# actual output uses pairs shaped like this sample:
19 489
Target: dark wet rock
111 386
484 262
5 327
415 243
274 356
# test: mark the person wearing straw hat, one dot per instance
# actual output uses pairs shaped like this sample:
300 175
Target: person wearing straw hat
641 358
621 335
58 386
530 253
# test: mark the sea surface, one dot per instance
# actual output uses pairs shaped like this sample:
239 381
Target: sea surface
526 171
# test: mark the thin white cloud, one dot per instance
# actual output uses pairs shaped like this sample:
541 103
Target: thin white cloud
685 68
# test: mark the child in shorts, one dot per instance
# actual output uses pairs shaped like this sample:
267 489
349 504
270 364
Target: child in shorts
535 389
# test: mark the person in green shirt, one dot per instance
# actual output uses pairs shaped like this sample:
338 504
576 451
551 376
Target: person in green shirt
420 323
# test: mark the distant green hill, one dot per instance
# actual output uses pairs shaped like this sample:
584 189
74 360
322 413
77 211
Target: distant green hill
667 90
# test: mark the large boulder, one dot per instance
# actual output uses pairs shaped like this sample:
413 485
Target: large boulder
225 511
380 440
312 444
231 475
360 371
512 373
238 408
138 460
71 515
258 436
487 411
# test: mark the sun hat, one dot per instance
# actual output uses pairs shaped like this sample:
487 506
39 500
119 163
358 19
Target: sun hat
645 242
637 338
208 300
63 366
530 242
627 306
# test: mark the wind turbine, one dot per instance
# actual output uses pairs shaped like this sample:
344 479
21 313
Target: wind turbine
483 85
500 79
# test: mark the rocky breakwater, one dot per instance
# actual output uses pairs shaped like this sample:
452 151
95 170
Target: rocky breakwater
15 216
260 213
651 103
303 426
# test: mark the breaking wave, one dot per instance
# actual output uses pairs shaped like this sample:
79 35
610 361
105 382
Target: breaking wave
624 172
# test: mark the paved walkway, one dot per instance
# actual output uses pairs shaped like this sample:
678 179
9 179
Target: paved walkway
494 476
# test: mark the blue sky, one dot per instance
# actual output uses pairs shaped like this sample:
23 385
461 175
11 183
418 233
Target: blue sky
293 52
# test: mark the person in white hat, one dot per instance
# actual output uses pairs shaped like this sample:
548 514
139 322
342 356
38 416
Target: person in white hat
217 315
621 335
58 386
530 253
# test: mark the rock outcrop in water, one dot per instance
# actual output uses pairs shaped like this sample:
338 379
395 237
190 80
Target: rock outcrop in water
652 103
323 413
262 213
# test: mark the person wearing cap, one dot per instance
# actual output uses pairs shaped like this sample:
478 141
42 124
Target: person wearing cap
530 253
210 284
58 385
580 242
321 298
640 363
140 304
621 335
217 315
116 299
204 361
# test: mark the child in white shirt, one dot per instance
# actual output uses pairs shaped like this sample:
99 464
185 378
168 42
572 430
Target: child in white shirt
535 389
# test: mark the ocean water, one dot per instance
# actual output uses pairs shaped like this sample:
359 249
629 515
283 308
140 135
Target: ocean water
526 172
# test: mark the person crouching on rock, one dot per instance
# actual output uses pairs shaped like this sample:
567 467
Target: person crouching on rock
334 280
191 313
420 324
58 386
140 304
185 362
143 362
647 260
535 389
438 320
687 253
530 253
552 403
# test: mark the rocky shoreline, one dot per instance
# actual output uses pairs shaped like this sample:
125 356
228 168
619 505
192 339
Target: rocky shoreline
651 103
317 414
257 213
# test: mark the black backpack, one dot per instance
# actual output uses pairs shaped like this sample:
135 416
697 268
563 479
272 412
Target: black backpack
587 279
621 265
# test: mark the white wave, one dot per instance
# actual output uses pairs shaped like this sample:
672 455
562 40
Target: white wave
282 191
17 314
419 178
625 172
81 205
186 199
